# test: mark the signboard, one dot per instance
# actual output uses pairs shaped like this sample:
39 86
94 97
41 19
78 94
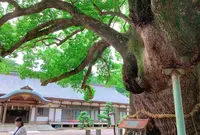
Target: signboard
133 123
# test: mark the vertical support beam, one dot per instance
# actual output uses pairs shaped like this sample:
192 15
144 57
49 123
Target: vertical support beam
49 113
98 131
87 132
1 113
145 132
120 131
35 117
178 104
30 113
4 113
54 117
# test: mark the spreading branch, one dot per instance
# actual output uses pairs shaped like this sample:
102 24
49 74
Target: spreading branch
25 11
107 69
118 14
43 41
114 38
41 30
83 86
12 2
95 51
57 41
69 36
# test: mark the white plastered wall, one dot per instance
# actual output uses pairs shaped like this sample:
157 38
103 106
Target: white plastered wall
58 115
51 114
33 114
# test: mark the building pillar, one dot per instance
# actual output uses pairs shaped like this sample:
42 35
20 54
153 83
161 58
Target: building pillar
49 113
120 131
87 132
35 117
4 113
98 131
1 113
30 113
54 117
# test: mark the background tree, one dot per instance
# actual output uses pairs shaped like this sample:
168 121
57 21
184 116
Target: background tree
106 114
84 120
66 39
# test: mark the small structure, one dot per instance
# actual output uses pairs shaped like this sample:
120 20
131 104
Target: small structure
134 126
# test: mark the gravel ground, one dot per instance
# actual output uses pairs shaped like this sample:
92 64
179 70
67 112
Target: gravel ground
65 132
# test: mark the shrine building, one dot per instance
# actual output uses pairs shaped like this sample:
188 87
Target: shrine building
52 104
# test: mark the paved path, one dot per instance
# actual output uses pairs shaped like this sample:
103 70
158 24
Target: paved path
65 132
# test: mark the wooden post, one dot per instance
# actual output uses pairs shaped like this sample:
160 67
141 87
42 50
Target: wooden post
145 131
120 131
1 113
114 130
35 117
49 113
54 117
4 113
30 113
98 131
87 132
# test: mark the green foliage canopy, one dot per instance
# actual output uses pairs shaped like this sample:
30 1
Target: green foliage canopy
45 59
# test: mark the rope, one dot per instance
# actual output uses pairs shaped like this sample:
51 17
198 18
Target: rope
195 129
163 116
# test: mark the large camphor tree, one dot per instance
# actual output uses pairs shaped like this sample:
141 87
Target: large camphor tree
66 38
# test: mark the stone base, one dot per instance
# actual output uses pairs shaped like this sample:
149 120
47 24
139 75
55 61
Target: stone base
29 127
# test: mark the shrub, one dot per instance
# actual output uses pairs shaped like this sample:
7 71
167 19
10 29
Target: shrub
84 120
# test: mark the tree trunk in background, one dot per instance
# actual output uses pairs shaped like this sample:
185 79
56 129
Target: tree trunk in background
159 98
166 35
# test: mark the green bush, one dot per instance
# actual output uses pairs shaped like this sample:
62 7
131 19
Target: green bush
107 110
84 120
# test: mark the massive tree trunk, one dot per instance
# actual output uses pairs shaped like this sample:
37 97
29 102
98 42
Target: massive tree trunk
157 97
164 44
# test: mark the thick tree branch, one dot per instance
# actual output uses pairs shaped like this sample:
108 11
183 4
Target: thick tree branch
27 11
118 14
107 69
41 30
12 2
95 51
116 39
83 86
43 41
69 36
58 41
127 19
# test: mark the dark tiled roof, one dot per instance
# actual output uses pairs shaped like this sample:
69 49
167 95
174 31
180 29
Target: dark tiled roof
10 83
